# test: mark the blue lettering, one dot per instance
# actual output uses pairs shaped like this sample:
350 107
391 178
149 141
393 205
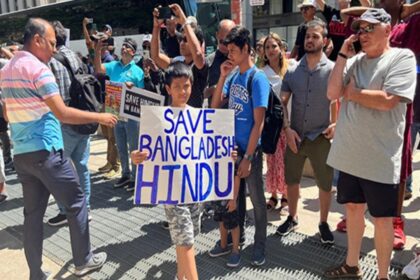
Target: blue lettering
210 147
228 190
181 154
207 121
217 139
172 148
169 119
194 126
202 149
181 120
143 184
159 147
204 166
186 179
171 169
144 143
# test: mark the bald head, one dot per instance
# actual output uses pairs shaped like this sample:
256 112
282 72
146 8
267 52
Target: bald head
34 26
225 26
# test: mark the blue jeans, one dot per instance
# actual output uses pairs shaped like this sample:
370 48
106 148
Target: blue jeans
43 173
256 192
77 148
127 133
415 129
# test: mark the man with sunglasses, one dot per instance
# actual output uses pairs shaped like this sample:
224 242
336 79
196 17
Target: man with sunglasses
126 131
368 142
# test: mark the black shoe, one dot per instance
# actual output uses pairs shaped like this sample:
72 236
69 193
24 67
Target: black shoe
130 187
123 181
58 220
287 227
165 225
326 235
230 242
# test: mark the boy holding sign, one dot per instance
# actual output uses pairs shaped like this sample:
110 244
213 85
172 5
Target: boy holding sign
184 220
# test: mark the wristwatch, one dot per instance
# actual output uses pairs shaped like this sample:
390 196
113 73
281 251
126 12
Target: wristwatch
248 157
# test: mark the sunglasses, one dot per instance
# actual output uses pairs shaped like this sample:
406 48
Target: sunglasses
304 9
128 46
365 30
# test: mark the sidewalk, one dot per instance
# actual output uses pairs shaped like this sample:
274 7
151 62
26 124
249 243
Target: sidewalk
139 248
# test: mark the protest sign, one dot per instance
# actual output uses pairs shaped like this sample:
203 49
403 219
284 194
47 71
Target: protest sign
113 91
133 99
189 155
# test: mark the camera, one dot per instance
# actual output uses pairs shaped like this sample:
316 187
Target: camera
99 36
165 13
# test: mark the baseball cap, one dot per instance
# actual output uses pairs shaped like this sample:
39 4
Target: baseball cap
306 3
372 16
107 27
147 38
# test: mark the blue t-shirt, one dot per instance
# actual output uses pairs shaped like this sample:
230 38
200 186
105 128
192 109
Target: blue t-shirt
240 101
130 72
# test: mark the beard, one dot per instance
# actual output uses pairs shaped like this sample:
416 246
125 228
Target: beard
313 49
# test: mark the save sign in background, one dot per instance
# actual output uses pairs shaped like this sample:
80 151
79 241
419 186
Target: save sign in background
189 155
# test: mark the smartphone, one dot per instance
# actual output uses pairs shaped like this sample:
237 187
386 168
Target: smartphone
146 54
165 13
357 47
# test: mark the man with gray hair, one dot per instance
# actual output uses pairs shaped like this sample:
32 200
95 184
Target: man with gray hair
311 127
369 138
34 108
76 145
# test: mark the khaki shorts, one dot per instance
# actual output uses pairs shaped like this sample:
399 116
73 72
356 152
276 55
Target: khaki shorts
317 152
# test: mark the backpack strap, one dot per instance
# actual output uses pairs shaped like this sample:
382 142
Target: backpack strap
249 82
231 81
64 60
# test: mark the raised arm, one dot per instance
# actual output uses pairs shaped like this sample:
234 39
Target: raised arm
89 42
97 64
192 41
161 59
321 4
409 9
217 98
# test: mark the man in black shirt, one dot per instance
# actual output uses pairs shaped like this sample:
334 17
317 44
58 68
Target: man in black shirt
191 46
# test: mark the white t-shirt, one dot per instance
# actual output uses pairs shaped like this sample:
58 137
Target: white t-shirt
368 142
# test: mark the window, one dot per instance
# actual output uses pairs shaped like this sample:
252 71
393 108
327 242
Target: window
276 7
287 33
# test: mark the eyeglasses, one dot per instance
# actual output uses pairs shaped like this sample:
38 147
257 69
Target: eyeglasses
365 30
304 9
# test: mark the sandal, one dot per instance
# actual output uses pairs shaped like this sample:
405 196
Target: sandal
343 271
272 203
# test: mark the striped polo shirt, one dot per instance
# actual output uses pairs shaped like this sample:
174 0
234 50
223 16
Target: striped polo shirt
26 83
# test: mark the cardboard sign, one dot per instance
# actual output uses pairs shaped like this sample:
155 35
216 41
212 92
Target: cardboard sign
189 155
133 99
113 92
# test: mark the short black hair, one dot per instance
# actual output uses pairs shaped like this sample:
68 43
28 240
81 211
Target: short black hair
60 33
318 23
178 70
239 36
197 31
34 26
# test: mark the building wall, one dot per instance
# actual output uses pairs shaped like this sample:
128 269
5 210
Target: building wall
8 6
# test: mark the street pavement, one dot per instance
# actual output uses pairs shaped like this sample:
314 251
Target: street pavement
124 231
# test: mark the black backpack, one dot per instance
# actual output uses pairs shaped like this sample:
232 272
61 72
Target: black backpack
85 94
273 122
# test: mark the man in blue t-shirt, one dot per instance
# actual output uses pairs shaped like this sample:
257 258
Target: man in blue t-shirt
249 122
126 131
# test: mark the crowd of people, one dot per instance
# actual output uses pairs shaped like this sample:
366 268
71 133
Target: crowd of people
351 113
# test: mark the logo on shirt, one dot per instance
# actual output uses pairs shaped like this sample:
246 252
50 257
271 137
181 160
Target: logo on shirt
238 97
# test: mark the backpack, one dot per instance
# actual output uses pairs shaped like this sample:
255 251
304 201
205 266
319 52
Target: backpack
85 94
273 121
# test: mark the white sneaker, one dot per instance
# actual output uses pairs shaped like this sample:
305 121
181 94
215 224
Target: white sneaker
412 269
95 262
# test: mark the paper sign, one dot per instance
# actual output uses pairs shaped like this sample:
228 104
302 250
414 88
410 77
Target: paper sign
113 91
133 99
189 155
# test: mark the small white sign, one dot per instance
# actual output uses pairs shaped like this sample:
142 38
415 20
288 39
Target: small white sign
256 2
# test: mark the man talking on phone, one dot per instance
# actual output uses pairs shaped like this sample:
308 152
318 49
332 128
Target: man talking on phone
369 138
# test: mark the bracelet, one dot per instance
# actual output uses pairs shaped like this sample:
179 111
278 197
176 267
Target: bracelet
343 55
248 157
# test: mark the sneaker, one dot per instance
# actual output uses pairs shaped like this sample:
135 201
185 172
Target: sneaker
8 164
342 226
112 174
58 220
412 269
234 260
326 235
45 275
106 168
218 251
287 227
165 225
408 195
230 242
130 187
3 198
399 236
258 259
95 262
89 216
123 181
